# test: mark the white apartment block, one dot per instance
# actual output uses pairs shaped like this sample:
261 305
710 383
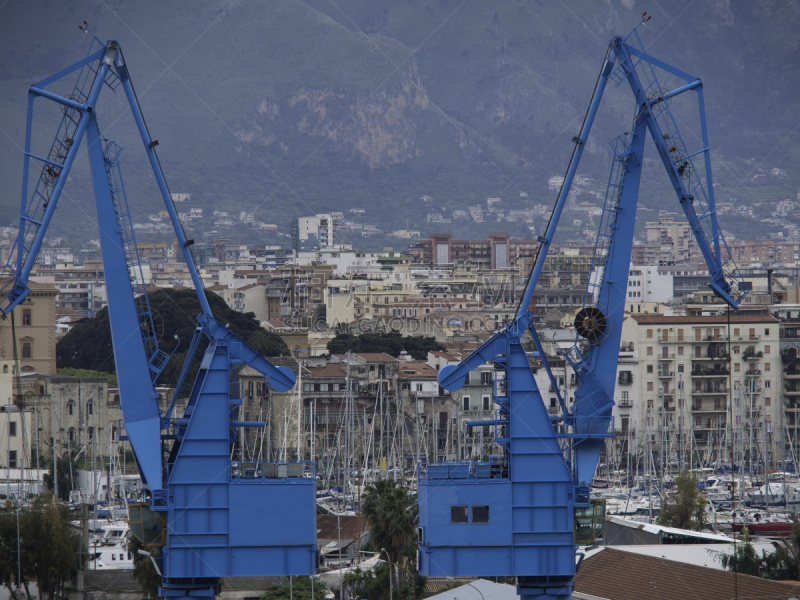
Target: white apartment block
708 387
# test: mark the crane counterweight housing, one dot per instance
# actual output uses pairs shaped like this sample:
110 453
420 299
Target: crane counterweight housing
207 516
514 515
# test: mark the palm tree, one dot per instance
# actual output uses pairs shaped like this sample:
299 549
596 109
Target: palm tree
265 343
392 516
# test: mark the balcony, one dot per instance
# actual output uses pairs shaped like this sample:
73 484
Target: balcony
666 374
722 407
753 373
666 356
625 379
706 372
712 390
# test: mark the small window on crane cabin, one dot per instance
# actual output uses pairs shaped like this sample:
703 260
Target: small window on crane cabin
459 514
480 514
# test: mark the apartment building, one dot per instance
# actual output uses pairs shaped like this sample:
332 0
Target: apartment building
701 376
34 325
668 241
79 288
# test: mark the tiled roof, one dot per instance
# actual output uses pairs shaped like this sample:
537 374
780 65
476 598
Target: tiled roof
416 369
370 357
330 527
617 575
717 319
446 355
329 370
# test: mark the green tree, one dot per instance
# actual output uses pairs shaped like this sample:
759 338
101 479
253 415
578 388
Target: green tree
48 546
267 343
372 584
299 588
683 507
144 572
64 479
782 564
88 345
391 343
392 517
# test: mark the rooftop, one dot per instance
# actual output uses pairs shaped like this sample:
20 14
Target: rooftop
617 575
719 319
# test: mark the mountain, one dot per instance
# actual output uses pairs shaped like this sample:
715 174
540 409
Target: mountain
286 108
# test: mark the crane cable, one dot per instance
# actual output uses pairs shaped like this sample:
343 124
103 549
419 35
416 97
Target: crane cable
561 189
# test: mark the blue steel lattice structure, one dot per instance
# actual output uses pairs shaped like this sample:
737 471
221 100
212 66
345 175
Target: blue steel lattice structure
514 515
219 518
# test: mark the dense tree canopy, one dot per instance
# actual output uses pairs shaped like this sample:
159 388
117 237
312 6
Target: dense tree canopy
392 344
88 345
683 507
48 547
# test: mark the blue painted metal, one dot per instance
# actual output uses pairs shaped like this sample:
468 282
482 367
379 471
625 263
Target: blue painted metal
223 518
549 463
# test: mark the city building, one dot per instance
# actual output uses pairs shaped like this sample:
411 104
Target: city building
314 233
669 242
699 376
34 327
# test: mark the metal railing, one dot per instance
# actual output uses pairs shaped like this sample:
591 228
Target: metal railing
463 469
273 469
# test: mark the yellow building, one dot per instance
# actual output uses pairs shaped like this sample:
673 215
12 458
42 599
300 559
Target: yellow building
35 325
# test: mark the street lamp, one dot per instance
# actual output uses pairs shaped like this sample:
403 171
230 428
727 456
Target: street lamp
389 561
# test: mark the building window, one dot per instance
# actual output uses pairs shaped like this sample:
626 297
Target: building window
737 367
71 434
70 407
12 459
486 378
649 368
465 400
90 408
680 350
649 351
12 428
766 332
649 334
459 514
27 349
767 366
485 402
767 383
767 401
91 433
419 387
26 316
480 514
766 349
249 388
649 386
680 368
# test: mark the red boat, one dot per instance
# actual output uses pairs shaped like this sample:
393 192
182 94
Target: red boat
766 528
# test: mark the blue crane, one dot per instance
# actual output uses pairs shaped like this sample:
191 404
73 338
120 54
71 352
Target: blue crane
513 515
206 517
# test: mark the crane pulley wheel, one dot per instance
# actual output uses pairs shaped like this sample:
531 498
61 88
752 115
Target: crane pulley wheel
591 323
